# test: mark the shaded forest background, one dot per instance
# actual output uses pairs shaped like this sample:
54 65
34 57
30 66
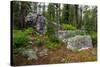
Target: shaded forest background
67 15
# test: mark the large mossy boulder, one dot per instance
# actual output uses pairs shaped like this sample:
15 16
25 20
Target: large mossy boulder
79 42
63 35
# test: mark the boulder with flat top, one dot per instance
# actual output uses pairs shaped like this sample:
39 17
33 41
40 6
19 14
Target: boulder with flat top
79 42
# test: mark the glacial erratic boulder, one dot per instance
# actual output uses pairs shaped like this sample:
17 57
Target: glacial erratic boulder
36 21
63 35
79 42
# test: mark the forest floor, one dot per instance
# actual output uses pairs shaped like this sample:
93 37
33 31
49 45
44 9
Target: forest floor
59 55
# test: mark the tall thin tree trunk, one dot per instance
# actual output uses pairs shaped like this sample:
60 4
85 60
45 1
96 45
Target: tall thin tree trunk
81 17
76 15
43 9
22 16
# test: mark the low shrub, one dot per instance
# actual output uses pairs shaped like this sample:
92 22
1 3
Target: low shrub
50 29
20 38
28 30
52 45
51 42
94 37
54 39
68 27
40 40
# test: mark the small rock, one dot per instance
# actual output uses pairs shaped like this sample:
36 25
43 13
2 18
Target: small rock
63 60
30 42
36 49
83 49
30 54
94 52
43 52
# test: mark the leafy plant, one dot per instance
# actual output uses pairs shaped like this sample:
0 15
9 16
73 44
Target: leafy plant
68 27
52 45
20 38
28 30
94 37
40 40
50 29
54 39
